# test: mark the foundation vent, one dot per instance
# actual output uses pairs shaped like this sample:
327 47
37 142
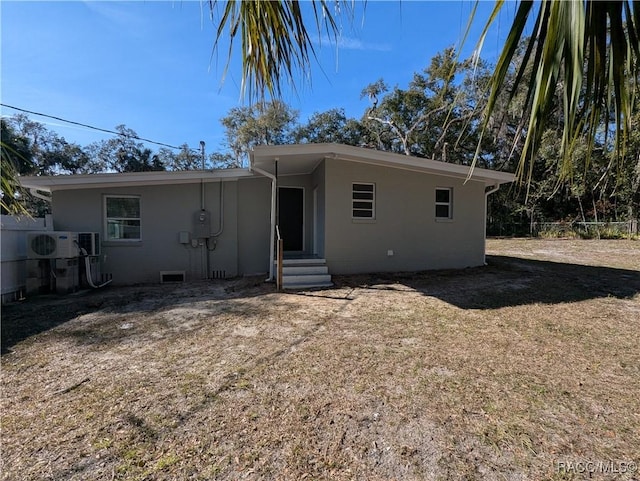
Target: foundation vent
222 274
172 276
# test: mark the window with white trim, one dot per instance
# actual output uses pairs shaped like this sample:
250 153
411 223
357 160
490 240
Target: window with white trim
444 198
363 201
122 218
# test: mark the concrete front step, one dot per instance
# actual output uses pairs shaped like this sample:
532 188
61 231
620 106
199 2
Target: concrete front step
303 262
304 270
312 285
306 282
305 274
306 278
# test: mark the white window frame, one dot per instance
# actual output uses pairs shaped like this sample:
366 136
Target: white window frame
448 204
107 238
371 201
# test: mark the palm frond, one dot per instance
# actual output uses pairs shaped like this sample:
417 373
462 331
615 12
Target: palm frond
587 49
10 183
275 43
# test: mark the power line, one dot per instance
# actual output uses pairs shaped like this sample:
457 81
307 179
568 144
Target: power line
99 129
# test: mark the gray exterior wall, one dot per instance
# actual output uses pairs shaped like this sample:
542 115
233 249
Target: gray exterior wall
318 183
404 221
254 225
165 211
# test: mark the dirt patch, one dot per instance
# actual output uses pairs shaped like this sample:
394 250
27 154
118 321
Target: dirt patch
511 371
610 253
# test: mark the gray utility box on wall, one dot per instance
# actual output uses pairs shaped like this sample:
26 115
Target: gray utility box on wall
201 224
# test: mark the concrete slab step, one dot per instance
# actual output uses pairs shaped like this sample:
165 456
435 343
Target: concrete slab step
306 285
305 278
303 262
305 281
298 270
305 273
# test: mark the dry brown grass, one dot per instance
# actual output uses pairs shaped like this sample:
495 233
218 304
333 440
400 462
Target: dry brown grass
501 372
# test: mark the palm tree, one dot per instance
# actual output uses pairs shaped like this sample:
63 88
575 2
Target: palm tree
587 49
586 52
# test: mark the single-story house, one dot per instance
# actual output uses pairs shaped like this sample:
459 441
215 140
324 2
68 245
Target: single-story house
354 210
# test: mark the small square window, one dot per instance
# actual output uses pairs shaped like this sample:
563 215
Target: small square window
444 196
363 201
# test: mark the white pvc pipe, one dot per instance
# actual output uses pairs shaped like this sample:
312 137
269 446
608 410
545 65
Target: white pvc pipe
34 192
87 266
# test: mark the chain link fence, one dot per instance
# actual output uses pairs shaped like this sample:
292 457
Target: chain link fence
582 230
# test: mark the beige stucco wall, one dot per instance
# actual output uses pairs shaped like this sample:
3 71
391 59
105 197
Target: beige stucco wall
405 221
165 211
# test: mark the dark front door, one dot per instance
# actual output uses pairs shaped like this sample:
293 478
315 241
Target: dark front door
291 217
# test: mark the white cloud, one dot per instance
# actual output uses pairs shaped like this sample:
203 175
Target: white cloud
124 15
350 43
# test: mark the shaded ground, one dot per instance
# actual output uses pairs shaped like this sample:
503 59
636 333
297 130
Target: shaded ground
511 371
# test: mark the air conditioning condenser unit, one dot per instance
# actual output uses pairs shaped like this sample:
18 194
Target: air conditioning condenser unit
52 245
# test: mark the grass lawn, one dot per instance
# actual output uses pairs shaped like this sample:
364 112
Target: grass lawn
526 369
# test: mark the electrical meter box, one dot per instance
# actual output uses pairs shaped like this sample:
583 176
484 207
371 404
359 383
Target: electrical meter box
201 224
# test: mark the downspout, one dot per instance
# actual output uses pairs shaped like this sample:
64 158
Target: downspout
204 249
220 230
274 192
221 218
487 193
202 179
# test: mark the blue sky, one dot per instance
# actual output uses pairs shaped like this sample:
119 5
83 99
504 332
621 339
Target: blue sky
151 65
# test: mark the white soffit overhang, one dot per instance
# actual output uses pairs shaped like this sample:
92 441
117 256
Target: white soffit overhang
304 158
129 179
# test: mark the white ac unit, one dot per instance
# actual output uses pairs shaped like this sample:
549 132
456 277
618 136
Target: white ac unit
52 245
90 242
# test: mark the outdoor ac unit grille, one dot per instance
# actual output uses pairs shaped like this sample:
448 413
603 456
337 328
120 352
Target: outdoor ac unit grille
90 242
43 245
52 245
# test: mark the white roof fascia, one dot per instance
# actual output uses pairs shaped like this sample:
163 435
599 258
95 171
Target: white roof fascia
377 157
129 179
458 171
